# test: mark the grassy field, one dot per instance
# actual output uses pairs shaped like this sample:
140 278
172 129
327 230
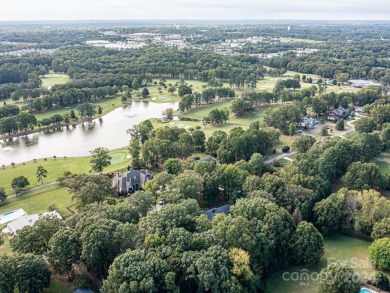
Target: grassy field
5 248
383 162
59 287
56 168
337 248
107 105
201 112
111 104
243 122
48 80
37 201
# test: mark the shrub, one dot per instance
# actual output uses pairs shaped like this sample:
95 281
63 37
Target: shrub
67 173
52 207
379 252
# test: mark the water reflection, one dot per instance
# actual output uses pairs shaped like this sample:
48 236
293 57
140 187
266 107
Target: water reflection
108 131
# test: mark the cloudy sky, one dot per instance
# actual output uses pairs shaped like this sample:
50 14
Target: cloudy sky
194 9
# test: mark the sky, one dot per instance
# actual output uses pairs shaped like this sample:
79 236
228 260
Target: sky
194 9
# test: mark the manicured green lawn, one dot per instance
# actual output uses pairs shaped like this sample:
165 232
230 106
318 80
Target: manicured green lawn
37 201
384 167
201 112
56 168
48 80
383 162
107 105
337 248
5 248
59 287
268 83
166 97
243 122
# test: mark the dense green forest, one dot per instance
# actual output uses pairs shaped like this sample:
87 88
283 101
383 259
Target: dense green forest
168 236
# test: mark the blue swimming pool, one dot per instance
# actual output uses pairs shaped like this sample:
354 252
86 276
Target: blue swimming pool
11 215
365 291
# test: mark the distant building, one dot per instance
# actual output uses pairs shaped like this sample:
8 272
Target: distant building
308 122
337 114
54 214
358 110
131 181
361 83
207 160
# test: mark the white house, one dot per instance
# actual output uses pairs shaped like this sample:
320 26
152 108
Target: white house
19 223
308 122
27 220
10 216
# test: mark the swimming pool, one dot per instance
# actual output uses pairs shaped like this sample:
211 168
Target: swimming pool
10 216
365 290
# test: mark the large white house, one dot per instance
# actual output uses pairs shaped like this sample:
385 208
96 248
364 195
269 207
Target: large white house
27 220
19 223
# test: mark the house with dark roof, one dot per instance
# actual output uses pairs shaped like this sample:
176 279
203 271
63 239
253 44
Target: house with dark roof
83 290
337 114
219 210
131 181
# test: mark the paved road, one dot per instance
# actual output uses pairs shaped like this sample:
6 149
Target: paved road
282 156
32 189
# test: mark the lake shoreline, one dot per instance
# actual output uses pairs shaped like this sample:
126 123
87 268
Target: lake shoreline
78 122
77 139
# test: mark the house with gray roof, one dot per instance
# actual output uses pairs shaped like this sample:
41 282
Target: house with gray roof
83 290
308 122
219 210
337 114
19 223
207 160
131 181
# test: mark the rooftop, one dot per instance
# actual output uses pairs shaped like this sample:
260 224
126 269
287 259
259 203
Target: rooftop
10 216
214 211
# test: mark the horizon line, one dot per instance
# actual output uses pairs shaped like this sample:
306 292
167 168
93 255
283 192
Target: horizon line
192 19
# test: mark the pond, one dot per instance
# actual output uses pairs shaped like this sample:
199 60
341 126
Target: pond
74 141
338 248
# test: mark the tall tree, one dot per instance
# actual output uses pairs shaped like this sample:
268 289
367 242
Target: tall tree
379 252
100 159
19 183
337 278
306 244
41 173
3 195
87 189
32 274
64 250
8 268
